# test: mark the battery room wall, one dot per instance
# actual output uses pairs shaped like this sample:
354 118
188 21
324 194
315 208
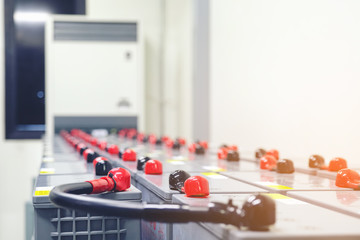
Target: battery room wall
285 74
167 30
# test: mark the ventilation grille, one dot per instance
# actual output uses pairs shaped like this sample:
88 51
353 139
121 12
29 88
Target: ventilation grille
95 31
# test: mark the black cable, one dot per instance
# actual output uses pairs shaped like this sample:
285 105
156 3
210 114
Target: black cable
66 196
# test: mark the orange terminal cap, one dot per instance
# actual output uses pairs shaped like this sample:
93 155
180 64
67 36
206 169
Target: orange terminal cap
337 164
273 152
268 162
196 186
348 178
222 153
153 167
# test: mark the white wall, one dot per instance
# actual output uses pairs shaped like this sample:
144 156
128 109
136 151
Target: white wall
167 30
177 68
150 15
19 163
285 74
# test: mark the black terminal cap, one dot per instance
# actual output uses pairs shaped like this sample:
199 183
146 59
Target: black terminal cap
141 163
91 156
224 146
176 145
233 156
199 149
177 180
120 154
102 167
134 137
259 153
285 166
158 141
316 161
145 139
82 150
259 212
76 144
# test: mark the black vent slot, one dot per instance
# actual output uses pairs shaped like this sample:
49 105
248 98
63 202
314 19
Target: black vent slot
95 31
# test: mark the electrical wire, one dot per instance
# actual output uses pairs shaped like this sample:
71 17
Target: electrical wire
68 196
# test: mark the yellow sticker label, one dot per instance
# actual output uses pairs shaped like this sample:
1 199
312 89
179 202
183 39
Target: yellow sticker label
277 196
43 191
47 171
279 187
210 173
214 175
175 162
179 158
213 168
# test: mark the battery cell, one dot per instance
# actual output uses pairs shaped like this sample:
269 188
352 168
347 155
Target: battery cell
56 223
50 168
347 202
280 182
295 219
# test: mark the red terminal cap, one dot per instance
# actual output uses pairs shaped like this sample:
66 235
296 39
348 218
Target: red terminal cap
169 143
102 145
337 164
86 153
93 141
87 138
79 146
222 153
140 137
164 138
274 153
204 144
348 178
98 159
153 167
113 149
74 132
192 147
131 133
129 155
118 179
268 162
152 139
121 177
122 133
182 141
196 186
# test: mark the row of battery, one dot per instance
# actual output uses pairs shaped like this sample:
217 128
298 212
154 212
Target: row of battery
336 215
